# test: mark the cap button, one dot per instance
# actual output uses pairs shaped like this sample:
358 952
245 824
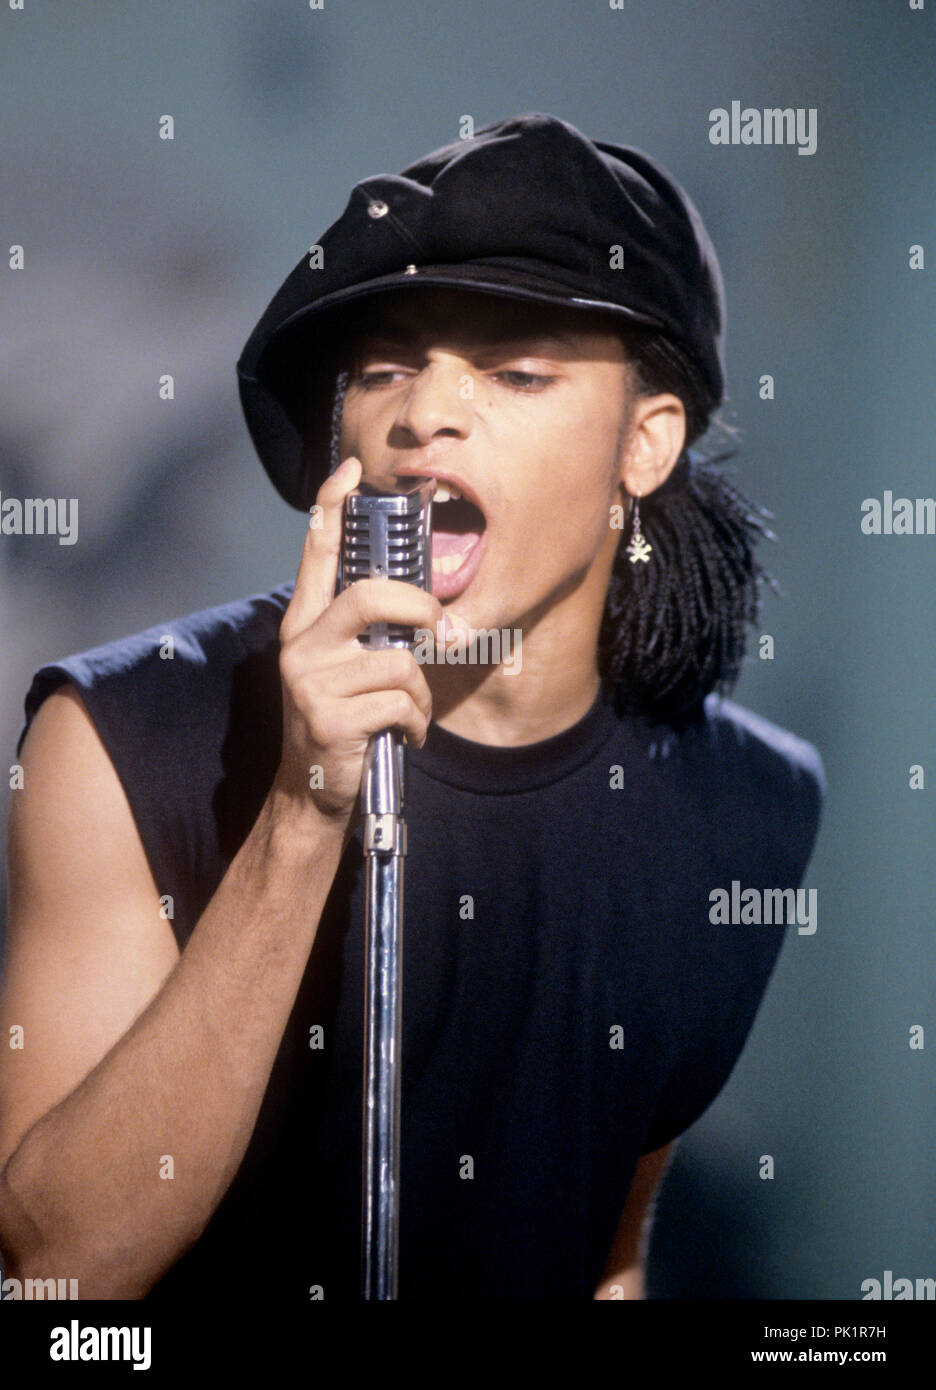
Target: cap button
377 209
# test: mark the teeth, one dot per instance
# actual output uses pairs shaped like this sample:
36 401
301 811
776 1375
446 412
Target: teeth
446 492
448 564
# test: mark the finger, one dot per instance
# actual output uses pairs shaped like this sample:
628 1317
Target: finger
391 668
387 709
318 565
380 601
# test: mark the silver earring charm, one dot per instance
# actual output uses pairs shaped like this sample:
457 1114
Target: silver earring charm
639 548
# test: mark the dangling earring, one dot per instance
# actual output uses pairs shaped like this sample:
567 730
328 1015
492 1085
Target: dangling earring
638 549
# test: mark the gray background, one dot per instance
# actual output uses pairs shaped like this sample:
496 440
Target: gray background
145 256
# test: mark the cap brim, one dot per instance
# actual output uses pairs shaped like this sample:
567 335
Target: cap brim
484 278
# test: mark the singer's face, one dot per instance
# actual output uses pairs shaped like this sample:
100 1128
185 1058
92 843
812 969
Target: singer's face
524 408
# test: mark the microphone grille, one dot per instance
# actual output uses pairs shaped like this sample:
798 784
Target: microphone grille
387 535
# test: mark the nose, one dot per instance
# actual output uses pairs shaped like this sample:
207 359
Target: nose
437 402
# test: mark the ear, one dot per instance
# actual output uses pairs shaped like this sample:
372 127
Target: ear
654 442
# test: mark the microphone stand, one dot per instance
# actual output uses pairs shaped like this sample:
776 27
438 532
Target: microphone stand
384 849
385 533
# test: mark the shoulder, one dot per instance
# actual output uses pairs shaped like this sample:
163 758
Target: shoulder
242 624
189 715
193 654
771 781
773 753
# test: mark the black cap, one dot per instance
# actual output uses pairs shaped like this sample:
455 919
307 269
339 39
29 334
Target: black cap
527 208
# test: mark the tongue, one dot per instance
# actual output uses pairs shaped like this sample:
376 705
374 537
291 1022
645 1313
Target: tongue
453 542
456 528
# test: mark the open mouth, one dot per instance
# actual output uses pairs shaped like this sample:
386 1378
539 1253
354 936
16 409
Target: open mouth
458 528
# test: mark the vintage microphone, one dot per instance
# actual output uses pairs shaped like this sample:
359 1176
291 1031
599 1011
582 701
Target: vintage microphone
386 534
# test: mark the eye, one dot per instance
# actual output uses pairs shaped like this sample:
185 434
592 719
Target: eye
369 380
526 381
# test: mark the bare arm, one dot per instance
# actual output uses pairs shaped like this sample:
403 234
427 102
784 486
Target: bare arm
139 1055
133 1053
623 1276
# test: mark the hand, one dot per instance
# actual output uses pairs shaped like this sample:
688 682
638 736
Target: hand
336 693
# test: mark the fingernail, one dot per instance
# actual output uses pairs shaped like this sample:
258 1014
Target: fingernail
455 626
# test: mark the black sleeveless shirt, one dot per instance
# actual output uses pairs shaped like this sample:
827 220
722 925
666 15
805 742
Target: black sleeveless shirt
568 1005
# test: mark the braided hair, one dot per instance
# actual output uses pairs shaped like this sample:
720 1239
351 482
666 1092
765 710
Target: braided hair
673 629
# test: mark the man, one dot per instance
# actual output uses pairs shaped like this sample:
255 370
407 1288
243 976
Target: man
185 942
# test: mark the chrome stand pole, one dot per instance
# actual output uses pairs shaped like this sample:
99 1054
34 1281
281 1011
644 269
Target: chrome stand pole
384 850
